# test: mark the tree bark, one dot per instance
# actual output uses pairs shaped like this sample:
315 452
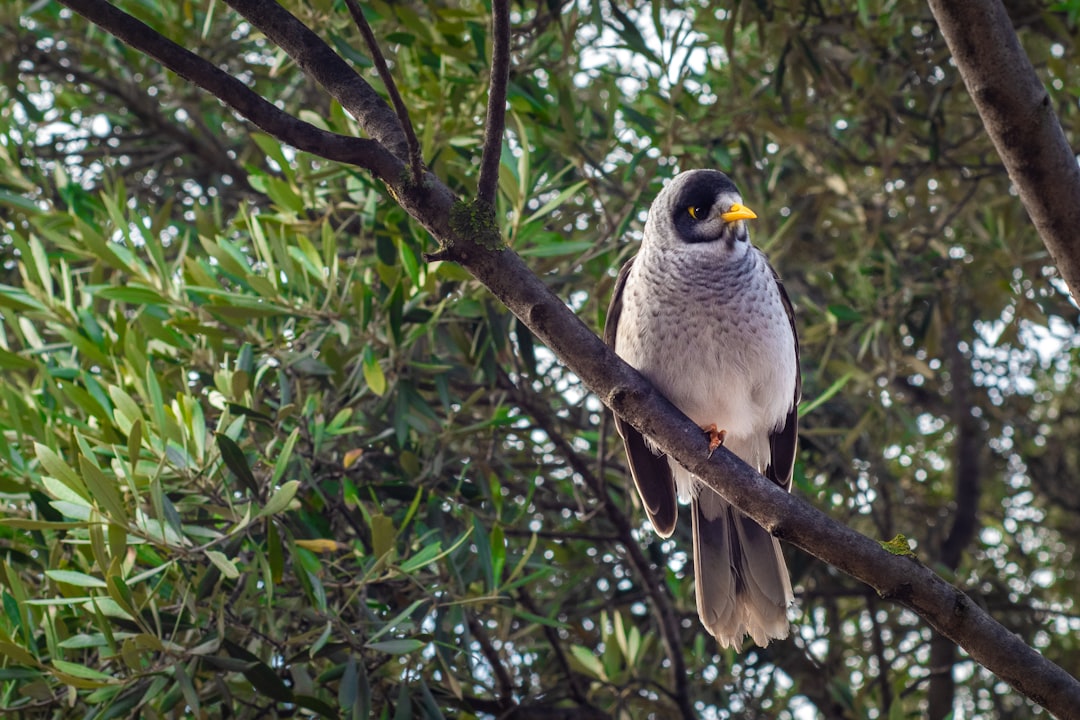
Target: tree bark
967 471
1019 117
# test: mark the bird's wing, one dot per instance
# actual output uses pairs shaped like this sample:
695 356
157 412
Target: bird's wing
651 472
783 440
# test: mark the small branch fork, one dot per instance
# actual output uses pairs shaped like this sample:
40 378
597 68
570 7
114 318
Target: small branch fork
366 153
495 127
416 162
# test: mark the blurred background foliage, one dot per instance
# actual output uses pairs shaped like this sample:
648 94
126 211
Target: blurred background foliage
259 459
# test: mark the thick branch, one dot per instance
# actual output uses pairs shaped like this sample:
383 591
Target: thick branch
897 578
496 109
364 153
1018 115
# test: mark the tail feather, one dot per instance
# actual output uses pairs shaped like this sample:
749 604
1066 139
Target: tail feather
741 580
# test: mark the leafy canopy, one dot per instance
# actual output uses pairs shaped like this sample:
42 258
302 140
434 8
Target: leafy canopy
258 457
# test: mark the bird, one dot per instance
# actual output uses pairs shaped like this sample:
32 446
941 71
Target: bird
701 313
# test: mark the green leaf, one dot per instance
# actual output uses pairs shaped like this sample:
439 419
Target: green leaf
81 671
483 554
78 579
557 249
11 361
223 563
556 202
809 406
236 461
383 534
82 642
259 674
282 461
126 411
498 553
373 374
280 499
18 201
274 554
104 489
588 661
401 646
61 471
393 624
17 654
431 553
131 294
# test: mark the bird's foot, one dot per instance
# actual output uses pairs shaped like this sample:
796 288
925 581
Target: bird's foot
716 437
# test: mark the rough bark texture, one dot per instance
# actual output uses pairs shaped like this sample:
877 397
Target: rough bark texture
1019 117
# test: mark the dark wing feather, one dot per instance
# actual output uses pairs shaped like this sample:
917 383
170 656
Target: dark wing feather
783 440
651 472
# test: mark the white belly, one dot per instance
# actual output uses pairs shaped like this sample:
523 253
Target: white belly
724 358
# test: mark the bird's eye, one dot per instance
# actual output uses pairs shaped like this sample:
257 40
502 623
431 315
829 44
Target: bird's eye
694 211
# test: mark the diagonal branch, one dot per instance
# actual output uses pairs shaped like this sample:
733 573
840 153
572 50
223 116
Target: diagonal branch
364 153
327 68
1019 117
416 162
495 125
900 579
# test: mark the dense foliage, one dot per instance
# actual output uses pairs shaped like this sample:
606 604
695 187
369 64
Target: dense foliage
258 458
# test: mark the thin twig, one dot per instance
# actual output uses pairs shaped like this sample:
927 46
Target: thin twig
502 677
416 162
552 636
495 125
666 615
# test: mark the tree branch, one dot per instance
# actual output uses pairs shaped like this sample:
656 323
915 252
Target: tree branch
666 616
1020 119
897 578
495 125
416 162
967 472
478 248
364 153
327 68
502 677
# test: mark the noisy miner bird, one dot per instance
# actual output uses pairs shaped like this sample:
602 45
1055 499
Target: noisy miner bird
701 313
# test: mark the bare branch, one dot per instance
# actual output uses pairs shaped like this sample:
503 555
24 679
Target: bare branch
495 125
506 685
1018 115
416 161
327 68
364 153
666 615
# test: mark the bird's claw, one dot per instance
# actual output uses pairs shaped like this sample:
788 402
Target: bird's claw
716 437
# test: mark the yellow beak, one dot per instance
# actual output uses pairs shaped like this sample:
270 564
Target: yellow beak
738 212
